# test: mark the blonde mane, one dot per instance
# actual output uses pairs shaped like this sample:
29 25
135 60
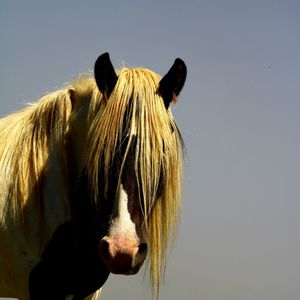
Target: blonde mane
26 139
134 107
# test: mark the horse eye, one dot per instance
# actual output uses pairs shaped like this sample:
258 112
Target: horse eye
172 128
160 186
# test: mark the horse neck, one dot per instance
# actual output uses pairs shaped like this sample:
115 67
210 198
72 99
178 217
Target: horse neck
49 201
51 207
63 172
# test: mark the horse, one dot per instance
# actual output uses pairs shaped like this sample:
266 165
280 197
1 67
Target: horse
90 183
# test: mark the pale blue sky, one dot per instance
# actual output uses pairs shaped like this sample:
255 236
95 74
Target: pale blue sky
239 115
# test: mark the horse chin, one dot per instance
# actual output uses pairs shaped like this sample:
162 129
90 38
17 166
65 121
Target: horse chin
122 271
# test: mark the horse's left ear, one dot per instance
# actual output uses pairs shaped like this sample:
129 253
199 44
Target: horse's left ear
172 83
105 75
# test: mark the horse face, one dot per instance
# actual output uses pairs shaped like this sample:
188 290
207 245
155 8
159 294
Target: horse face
124 245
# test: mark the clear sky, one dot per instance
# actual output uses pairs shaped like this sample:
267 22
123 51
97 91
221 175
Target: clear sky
238 113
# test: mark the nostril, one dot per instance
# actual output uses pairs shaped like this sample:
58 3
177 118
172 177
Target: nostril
104 248
143 247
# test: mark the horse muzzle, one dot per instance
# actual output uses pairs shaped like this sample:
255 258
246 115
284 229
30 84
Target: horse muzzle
122 256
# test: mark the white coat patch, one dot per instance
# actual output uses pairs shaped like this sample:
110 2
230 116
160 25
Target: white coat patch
122 226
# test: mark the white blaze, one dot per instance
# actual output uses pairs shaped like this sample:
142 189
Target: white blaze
122 226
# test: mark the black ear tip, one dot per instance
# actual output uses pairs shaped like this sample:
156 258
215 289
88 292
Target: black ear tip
102 59
179 61
180 64
104 55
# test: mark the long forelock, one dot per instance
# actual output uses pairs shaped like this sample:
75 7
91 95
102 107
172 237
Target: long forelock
136 111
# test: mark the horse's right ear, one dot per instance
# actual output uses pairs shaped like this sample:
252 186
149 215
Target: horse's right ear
105 75
172 83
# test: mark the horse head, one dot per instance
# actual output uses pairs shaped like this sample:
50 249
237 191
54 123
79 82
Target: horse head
127 195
